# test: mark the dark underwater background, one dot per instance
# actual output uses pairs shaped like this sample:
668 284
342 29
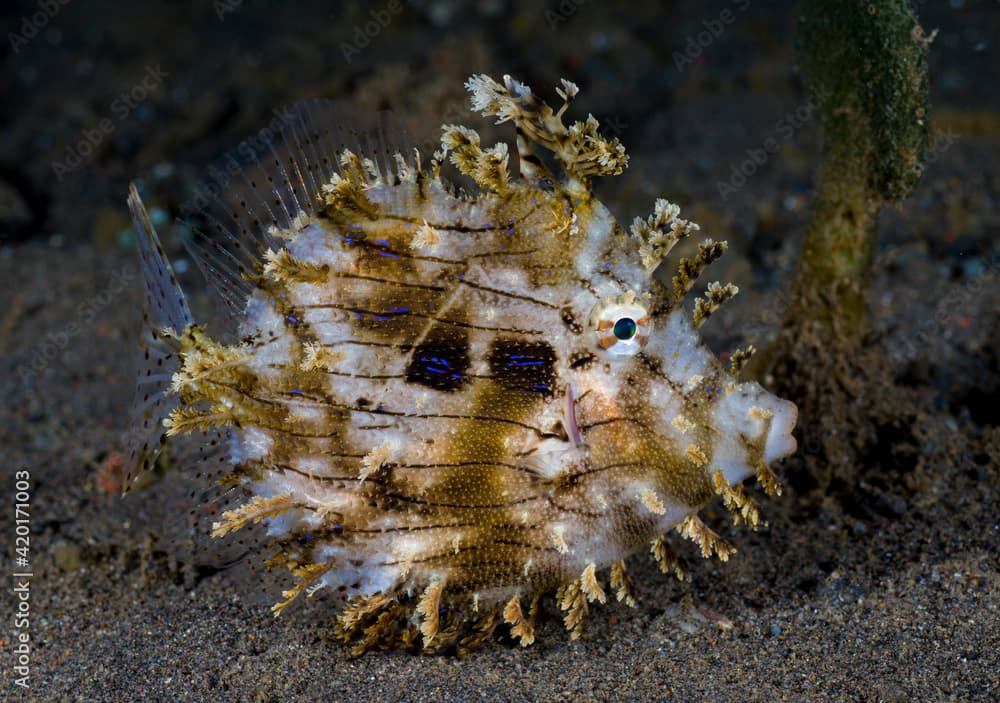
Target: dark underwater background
881 588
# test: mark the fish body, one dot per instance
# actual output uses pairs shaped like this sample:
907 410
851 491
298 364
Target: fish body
440 405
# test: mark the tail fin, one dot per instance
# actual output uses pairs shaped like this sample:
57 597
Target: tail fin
165 316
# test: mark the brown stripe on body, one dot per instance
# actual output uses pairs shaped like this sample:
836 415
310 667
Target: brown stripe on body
486 381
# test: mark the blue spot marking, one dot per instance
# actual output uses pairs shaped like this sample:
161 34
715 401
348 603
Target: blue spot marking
515 360
388 254
399 311
297 390
534 201
438 361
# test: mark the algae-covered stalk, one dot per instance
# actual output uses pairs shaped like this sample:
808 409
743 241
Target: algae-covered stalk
864 66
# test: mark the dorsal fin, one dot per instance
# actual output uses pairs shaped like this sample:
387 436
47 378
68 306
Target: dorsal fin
244 199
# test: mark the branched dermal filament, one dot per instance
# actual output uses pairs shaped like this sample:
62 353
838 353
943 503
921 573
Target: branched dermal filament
572 599
487 167
194 419
709 542
309 576
768 481
667 557
205 359
345 193
521 627
737 501
622 583
255 510
715 296
428 609
581 150
689 269
282 266
659 233
740 358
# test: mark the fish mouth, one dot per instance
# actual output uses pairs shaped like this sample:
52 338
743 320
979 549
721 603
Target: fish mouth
780 441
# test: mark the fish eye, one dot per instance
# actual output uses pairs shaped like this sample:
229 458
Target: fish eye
620 326
625 328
